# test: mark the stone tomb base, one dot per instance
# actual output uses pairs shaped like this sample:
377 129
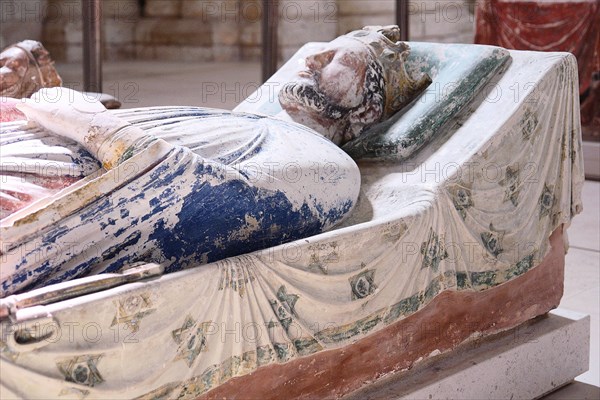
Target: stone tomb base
526 362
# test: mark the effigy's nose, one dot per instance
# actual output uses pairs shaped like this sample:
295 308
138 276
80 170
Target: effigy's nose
319 60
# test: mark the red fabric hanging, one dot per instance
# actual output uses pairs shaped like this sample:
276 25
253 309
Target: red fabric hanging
572 26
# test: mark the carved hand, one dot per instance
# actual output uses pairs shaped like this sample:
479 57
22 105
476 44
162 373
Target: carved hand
85 120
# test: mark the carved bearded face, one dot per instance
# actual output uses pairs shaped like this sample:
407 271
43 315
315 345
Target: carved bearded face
339 93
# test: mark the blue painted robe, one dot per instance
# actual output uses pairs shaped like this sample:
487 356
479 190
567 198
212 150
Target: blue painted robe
210 185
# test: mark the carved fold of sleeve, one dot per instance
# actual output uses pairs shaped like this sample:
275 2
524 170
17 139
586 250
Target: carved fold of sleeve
85 120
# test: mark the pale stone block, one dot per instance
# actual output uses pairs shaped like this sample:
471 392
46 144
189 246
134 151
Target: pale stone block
188 53
118 32
442 13
305 30
163 8
15 31
428 6
74 53
21 19
349 23
68 11
251 34
144 52
118 52
173 53
251 11
525 362
74 33
53 32
251 53
213 10
361 7
317 11
467 37
120 10
25 11
416 29
144 29
447 28
197 9
167 53
161 31
226 53
225 34
592 170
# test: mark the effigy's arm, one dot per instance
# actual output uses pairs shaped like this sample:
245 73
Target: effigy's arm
75 116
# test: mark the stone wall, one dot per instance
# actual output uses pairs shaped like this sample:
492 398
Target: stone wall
302 21
63 36
21 19
189 30
442 21
219 30
226 30
431 21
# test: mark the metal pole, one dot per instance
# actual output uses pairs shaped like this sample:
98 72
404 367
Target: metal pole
92 45
269 38
402 18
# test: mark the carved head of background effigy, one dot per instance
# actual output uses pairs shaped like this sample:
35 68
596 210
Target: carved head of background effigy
26 67
354 82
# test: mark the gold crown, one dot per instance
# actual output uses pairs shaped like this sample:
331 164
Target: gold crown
400 87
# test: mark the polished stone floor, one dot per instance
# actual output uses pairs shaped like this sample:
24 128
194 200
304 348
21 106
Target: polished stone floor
224 85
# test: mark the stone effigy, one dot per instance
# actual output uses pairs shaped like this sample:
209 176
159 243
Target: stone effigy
464 238
26 67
